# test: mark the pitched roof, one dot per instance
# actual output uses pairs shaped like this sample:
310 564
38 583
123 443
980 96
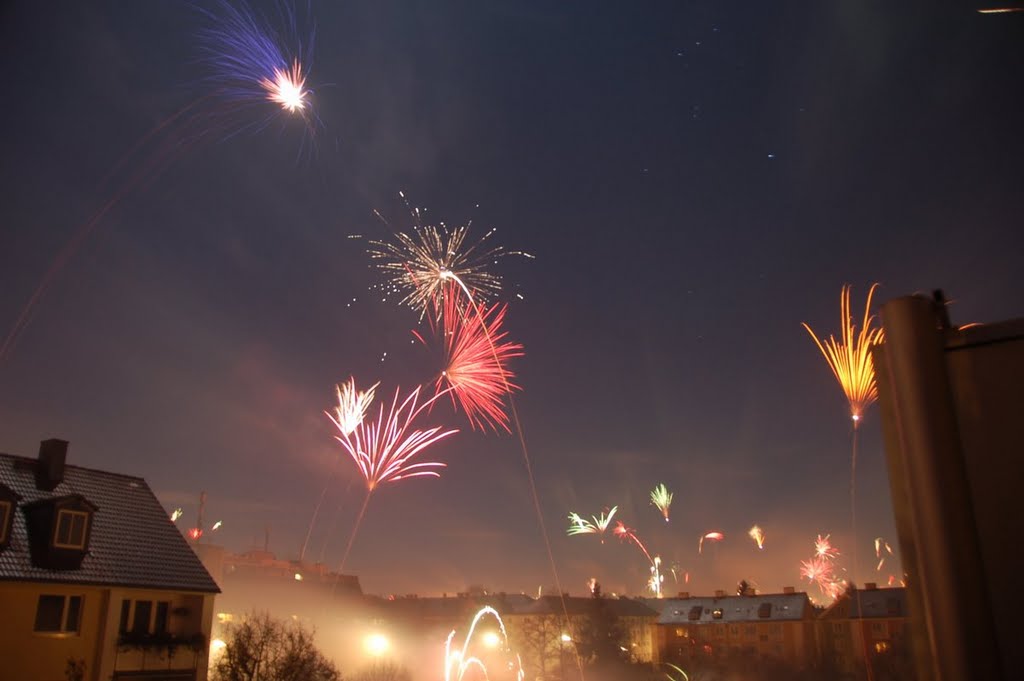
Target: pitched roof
888 602
702 609
132 543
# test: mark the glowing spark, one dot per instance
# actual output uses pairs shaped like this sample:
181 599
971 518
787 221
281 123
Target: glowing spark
287 87
195 533
757 534
175 514
216 526
1001 10
352 406
710 536
662 499
850 356
383 449
419 264
580 525
476 357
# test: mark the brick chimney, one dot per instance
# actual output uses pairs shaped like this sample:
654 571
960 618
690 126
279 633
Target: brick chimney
50 465
683 594
870 586
719 594
788 590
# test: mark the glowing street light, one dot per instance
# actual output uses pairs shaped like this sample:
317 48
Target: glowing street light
376 644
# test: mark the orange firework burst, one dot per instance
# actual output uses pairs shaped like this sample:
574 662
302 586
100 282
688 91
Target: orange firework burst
757 534
850 356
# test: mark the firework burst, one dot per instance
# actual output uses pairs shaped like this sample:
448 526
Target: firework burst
352 406
849 358
383 449
252 61
823 548
820 569
458 662
628 534
420 264
757 534
662 499
580 525
476 352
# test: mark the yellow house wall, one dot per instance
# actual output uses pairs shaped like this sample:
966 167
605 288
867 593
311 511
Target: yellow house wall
26 655
29 656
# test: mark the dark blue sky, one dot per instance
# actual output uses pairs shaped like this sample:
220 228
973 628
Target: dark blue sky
695 179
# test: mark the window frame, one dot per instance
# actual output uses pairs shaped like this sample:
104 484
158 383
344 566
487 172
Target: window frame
6 511
64 628
73 513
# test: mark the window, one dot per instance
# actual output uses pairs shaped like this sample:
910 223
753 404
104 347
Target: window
695 612
680 632
878 628
160 623
140 623
126 606
5 517
881 647
749 630
764 610
717 613
892 606
70 532
58 614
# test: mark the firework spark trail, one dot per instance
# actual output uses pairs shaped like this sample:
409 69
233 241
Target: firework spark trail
580 525
757 534
246 57
628 534
460 661
662 499
823 548
175 514
849 358
880 544
476 357
383 449
710 536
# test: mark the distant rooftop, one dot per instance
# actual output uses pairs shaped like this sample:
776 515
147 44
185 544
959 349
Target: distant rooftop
758 608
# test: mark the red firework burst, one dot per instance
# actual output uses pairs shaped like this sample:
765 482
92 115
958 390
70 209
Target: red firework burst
476 356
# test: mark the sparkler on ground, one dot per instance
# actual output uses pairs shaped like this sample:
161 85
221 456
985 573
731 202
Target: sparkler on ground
757 534
710 536
580 525
476 354
383 449
458 662
662 499
250 62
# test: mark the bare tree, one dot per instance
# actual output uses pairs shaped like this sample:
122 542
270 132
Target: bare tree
383 671
262 648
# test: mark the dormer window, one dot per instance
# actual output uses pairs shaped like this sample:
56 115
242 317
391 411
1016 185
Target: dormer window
71 529
58 531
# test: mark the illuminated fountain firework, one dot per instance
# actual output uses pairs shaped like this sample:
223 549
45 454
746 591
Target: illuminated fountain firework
420 264
580 525
757 534
250 62
463 663
710 536
476 356
628 534
662 499
383 449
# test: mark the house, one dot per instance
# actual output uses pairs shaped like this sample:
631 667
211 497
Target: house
96 583
777 627
862 625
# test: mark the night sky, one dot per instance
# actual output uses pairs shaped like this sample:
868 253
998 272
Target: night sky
694 178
